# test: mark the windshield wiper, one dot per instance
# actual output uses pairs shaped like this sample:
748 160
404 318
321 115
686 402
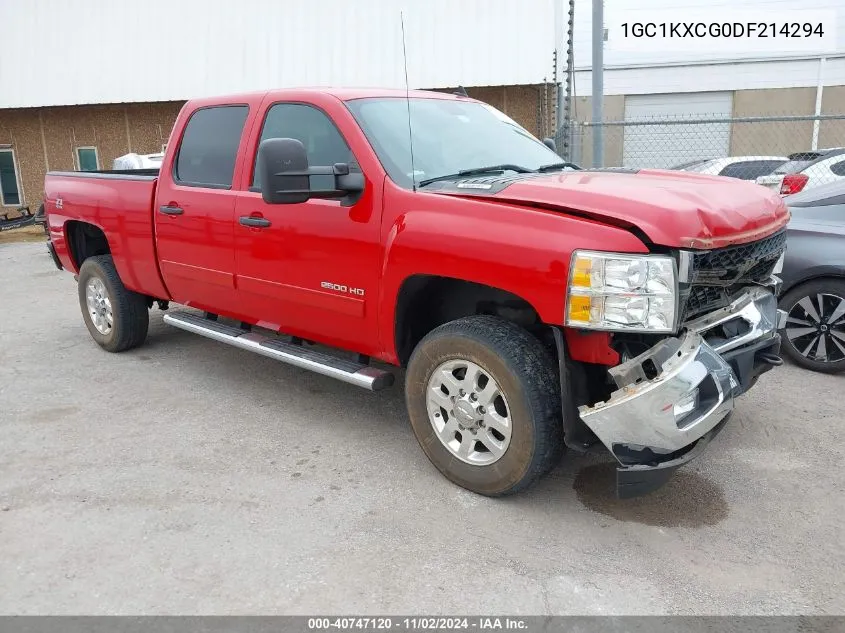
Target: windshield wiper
556 166
477 171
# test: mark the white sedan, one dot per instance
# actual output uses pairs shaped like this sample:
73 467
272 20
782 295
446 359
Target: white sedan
806 170
742 167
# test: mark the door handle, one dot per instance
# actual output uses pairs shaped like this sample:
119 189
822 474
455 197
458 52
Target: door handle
249 220
171 210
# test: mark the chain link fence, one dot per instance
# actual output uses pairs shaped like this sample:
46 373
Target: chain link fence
787 153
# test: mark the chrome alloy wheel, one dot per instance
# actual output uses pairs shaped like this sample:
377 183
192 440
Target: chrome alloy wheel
99 305
468 412
815 326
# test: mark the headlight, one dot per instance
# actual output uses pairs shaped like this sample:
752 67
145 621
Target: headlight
610 291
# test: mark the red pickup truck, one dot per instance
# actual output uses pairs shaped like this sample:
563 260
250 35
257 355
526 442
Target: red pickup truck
534 306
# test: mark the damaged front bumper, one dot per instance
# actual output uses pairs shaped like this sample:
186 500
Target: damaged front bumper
673 399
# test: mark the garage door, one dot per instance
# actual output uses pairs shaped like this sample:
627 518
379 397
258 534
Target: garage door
674 143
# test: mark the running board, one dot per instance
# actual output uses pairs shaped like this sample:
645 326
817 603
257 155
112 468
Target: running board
348 371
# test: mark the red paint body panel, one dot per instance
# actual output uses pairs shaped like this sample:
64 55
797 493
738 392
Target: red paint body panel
333 273
123 210
678 209
196 249
280 270
523 251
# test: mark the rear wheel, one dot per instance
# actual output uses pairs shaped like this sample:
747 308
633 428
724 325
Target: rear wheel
116 317
814 336
484 404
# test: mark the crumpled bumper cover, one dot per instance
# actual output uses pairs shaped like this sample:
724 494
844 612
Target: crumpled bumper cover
673 399
641 415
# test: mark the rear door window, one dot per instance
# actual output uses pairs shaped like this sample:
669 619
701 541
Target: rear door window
838 168
209 147
751 169
792 166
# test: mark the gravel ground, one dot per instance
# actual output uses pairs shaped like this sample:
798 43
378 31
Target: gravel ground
187 477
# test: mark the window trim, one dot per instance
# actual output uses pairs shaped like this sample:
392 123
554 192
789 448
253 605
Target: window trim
17 173
250 180
175 161
79 161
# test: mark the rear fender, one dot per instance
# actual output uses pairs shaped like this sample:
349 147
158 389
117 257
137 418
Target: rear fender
119 207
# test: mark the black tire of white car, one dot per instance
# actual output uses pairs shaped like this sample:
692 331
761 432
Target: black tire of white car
129 313
798 341
526 378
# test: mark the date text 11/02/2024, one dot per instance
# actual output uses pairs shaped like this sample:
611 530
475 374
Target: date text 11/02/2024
418 623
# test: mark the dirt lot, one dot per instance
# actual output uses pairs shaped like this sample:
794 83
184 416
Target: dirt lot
186 477
26 234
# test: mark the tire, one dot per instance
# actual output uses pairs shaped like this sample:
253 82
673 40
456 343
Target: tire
821 350
527 382
129 314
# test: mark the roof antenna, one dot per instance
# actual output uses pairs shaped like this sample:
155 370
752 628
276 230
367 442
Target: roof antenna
461 92
408 101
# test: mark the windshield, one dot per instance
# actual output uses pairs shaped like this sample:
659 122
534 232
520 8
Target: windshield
449 136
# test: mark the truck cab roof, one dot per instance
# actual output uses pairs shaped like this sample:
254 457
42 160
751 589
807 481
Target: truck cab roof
342 94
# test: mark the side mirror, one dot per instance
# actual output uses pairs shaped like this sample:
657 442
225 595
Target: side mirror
286 176
283 168
550 143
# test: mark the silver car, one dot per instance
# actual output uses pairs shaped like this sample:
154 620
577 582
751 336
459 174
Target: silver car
813 293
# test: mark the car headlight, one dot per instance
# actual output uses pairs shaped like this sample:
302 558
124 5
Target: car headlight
610 291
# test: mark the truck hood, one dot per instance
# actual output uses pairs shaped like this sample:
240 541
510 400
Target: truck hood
672 208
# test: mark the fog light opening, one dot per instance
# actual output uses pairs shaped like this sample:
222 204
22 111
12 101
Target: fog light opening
685 406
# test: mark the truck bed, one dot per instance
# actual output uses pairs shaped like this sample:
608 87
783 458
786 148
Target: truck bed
120 203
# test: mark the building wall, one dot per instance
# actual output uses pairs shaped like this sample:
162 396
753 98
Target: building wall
613 107
778 137
46 138
226 47
783 137
832 133
336 42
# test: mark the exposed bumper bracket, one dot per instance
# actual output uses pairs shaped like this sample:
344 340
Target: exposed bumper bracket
674 398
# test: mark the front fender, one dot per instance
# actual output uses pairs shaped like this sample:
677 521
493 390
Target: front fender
521 250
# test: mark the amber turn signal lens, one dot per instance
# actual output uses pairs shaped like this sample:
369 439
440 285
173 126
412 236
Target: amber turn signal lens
581 272
579 308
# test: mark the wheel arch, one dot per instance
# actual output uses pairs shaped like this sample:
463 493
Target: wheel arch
85 240
811 275
426 301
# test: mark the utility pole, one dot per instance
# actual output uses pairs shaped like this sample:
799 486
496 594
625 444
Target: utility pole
598 83
558 86
563 118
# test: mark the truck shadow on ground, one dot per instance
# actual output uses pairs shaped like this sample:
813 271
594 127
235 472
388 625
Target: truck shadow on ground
688 500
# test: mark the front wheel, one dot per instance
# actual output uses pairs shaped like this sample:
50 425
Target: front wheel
116 317
484 404
814 336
